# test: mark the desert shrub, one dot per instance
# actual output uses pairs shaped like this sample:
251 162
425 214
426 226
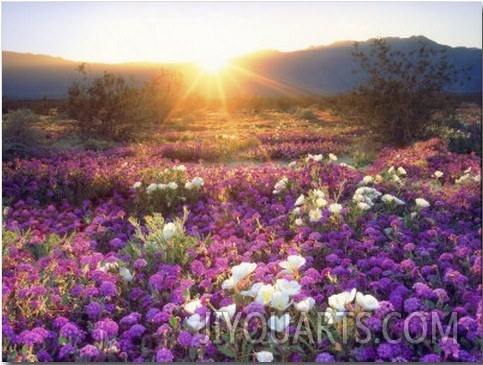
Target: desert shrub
402 90
465 138
19 136
161 241
307 114
110 107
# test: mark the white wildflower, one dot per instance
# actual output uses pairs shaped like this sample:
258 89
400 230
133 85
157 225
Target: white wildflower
194 323
368 302
300 200
293 263
264 356
315 215
339 301
279 324
335 208
422 203
290 288
305 305
169 230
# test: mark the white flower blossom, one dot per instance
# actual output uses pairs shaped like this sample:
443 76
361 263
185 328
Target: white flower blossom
293 263
367 180
321 203
315 215
316 158
317 193
172 185
264 356
279 324
438 174
300 200
194 323
227 311
363 206
280 185
125 274
241 271
228 283
179 168
280 301
137 185
339 301
288 287
401 170
368 302
190 307
335 208
197 182
388 198
305 305
422 203
332 157
265 294
151 188
169 230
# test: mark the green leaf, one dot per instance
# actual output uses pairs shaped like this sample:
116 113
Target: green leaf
173 321
63 341
186 294
437 349
25 350
228 351
192 353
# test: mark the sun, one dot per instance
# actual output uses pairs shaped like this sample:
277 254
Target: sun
213 64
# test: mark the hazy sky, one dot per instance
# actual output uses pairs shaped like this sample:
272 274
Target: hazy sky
190 31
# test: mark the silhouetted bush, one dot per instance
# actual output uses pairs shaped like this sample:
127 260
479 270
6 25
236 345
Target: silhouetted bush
402 90
19 136
111 107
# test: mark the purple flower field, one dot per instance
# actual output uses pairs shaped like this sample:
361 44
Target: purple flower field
127 255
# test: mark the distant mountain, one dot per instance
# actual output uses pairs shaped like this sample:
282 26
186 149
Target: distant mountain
320 70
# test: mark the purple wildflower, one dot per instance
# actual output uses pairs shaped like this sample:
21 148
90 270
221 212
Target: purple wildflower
184 338
130 319
108 289
93 310
99 335
89 351
137 330
66 350
412 305
70 330
449 346
164 355
385 351
109 326
139 264
430 358
324 357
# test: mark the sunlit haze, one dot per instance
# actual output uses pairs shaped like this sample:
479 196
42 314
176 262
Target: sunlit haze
211 32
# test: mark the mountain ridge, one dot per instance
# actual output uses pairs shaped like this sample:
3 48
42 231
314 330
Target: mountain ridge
320 70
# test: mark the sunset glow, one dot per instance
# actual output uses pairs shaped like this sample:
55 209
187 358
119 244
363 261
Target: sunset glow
213 64
116 32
